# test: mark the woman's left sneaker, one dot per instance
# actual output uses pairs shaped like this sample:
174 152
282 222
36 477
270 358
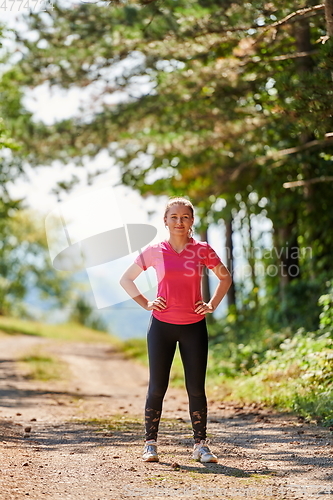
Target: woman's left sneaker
150 452
202 453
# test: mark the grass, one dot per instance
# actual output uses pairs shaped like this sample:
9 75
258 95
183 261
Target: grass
297 376
119 423
123 423
135 348
38 365
70 332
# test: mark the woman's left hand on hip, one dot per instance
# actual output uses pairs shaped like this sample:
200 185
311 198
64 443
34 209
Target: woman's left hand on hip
202 308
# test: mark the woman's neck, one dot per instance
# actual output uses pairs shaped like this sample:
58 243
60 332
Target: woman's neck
179 243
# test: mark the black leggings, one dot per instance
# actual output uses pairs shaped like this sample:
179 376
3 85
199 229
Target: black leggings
162 339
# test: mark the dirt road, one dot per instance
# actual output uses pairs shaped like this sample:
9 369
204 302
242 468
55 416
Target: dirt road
81 438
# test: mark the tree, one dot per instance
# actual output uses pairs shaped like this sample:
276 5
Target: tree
226 110
83 313
25 262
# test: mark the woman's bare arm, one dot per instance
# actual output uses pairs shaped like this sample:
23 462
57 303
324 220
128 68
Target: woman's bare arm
222 287
127 282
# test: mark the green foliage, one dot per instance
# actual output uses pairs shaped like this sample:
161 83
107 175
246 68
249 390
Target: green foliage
25 262
305 354
326 316
297 375
240 341
15 121
298 307
284 369
315 405
83 313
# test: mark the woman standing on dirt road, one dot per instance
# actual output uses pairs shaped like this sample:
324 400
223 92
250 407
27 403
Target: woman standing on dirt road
178 315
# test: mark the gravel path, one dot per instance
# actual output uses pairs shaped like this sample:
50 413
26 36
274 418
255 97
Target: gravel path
81 438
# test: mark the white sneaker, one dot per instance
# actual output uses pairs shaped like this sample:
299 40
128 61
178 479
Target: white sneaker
150 452
202 453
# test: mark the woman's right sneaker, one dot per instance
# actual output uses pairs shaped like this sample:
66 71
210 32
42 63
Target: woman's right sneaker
150 452
202 453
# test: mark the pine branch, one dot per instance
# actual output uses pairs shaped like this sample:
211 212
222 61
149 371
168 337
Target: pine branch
291 18
296 13
277 155
302 147
323 178
297 55
283 57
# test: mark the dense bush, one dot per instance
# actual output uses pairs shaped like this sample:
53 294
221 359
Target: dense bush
290 369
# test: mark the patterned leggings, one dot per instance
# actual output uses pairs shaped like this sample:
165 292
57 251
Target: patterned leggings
162 339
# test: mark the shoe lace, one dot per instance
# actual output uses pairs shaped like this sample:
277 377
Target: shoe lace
150 448
205 449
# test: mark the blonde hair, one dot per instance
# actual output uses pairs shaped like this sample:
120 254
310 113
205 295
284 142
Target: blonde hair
179 201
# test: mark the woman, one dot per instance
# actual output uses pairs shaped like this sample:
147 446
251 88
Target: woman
178 315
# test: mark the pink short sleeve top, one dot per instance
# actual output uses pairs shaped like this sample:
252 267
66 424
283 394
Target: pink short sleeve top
179 277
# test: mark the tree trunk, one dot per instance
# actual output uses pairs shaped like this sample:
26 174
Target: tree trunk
303 44
305 65
205 279
205 287
287 229
329 17
252 261
288 255
231 294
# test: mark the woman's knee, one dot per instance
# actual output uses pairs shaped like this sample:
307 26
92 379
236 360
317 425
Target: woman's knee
156 392
196 392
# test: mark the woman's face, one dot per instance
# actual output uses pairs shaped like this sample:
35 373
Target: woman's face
179 219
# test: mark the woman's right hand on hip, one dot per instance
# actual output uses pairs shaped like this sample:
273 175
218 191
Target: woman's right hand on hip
158 304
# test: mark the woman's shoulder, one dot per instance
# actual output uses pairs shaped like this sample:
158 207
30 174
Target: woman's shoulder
199 244
157 246
203 248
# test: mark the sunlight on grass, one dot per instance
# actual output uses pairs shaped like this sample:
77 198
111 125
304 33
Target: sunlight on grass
39 365
114 423
66 332
136 349
127 423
